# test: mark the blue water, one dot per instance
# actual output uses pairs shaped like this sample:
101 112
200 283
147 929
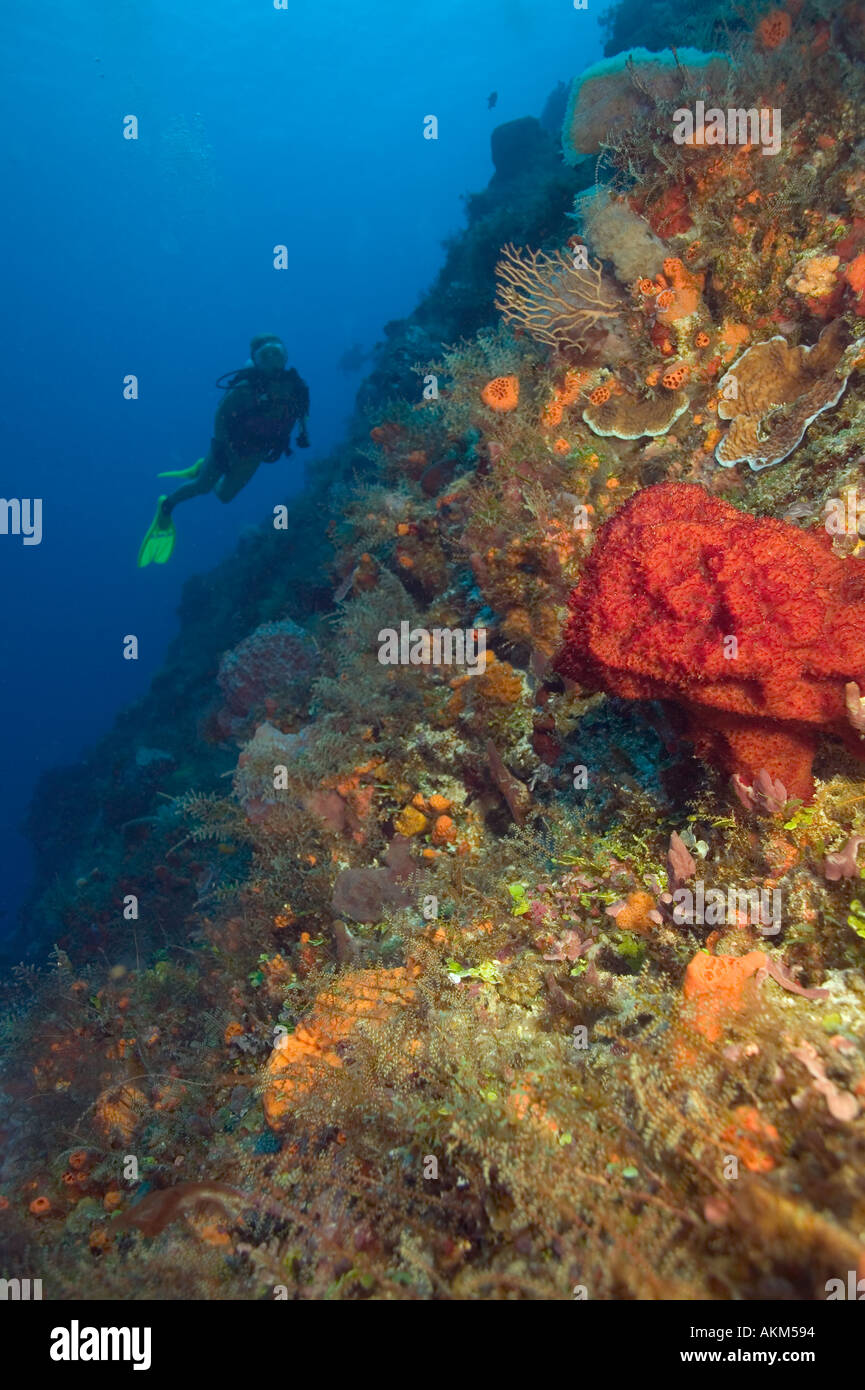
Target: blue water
257 126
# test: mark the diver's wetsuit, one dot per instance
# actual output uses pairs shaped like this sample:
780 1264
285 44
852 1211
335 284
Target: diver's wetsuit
253 425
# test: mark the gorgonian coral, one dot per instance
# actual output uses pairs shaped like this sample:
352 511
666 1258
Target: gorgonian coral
553 300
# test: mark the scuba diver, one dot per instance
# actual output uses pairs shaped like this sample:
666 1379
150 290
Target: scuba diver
263 402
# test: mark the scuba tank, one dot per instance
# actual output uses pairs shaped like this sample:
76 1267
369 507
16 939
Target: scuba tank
266 422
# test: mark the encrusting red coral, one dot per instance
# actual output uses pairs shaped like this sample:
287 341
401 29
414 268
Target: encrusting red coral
752 1138
855 277
301 1058
680 290
716 987
749 624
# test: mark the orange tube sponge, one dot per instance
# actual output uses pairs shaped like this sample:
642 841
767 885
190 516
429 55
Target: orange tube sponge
502 393
774 29
684 297
444 831
676 376
552 414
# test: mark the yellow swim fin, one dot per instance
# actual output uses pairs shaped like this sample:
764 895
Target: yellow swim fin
192 472
158 544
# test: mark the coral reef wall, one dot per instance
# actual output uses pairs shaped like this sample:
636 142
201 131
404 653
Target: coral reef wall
471 909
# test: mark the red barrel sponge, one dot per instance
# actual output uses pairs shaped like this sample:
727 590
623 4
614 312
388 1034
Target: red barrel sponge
750 625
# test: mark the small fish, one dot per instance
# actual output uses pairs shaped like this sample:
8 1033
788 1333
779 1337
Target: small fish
340 593
797 511
491 100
